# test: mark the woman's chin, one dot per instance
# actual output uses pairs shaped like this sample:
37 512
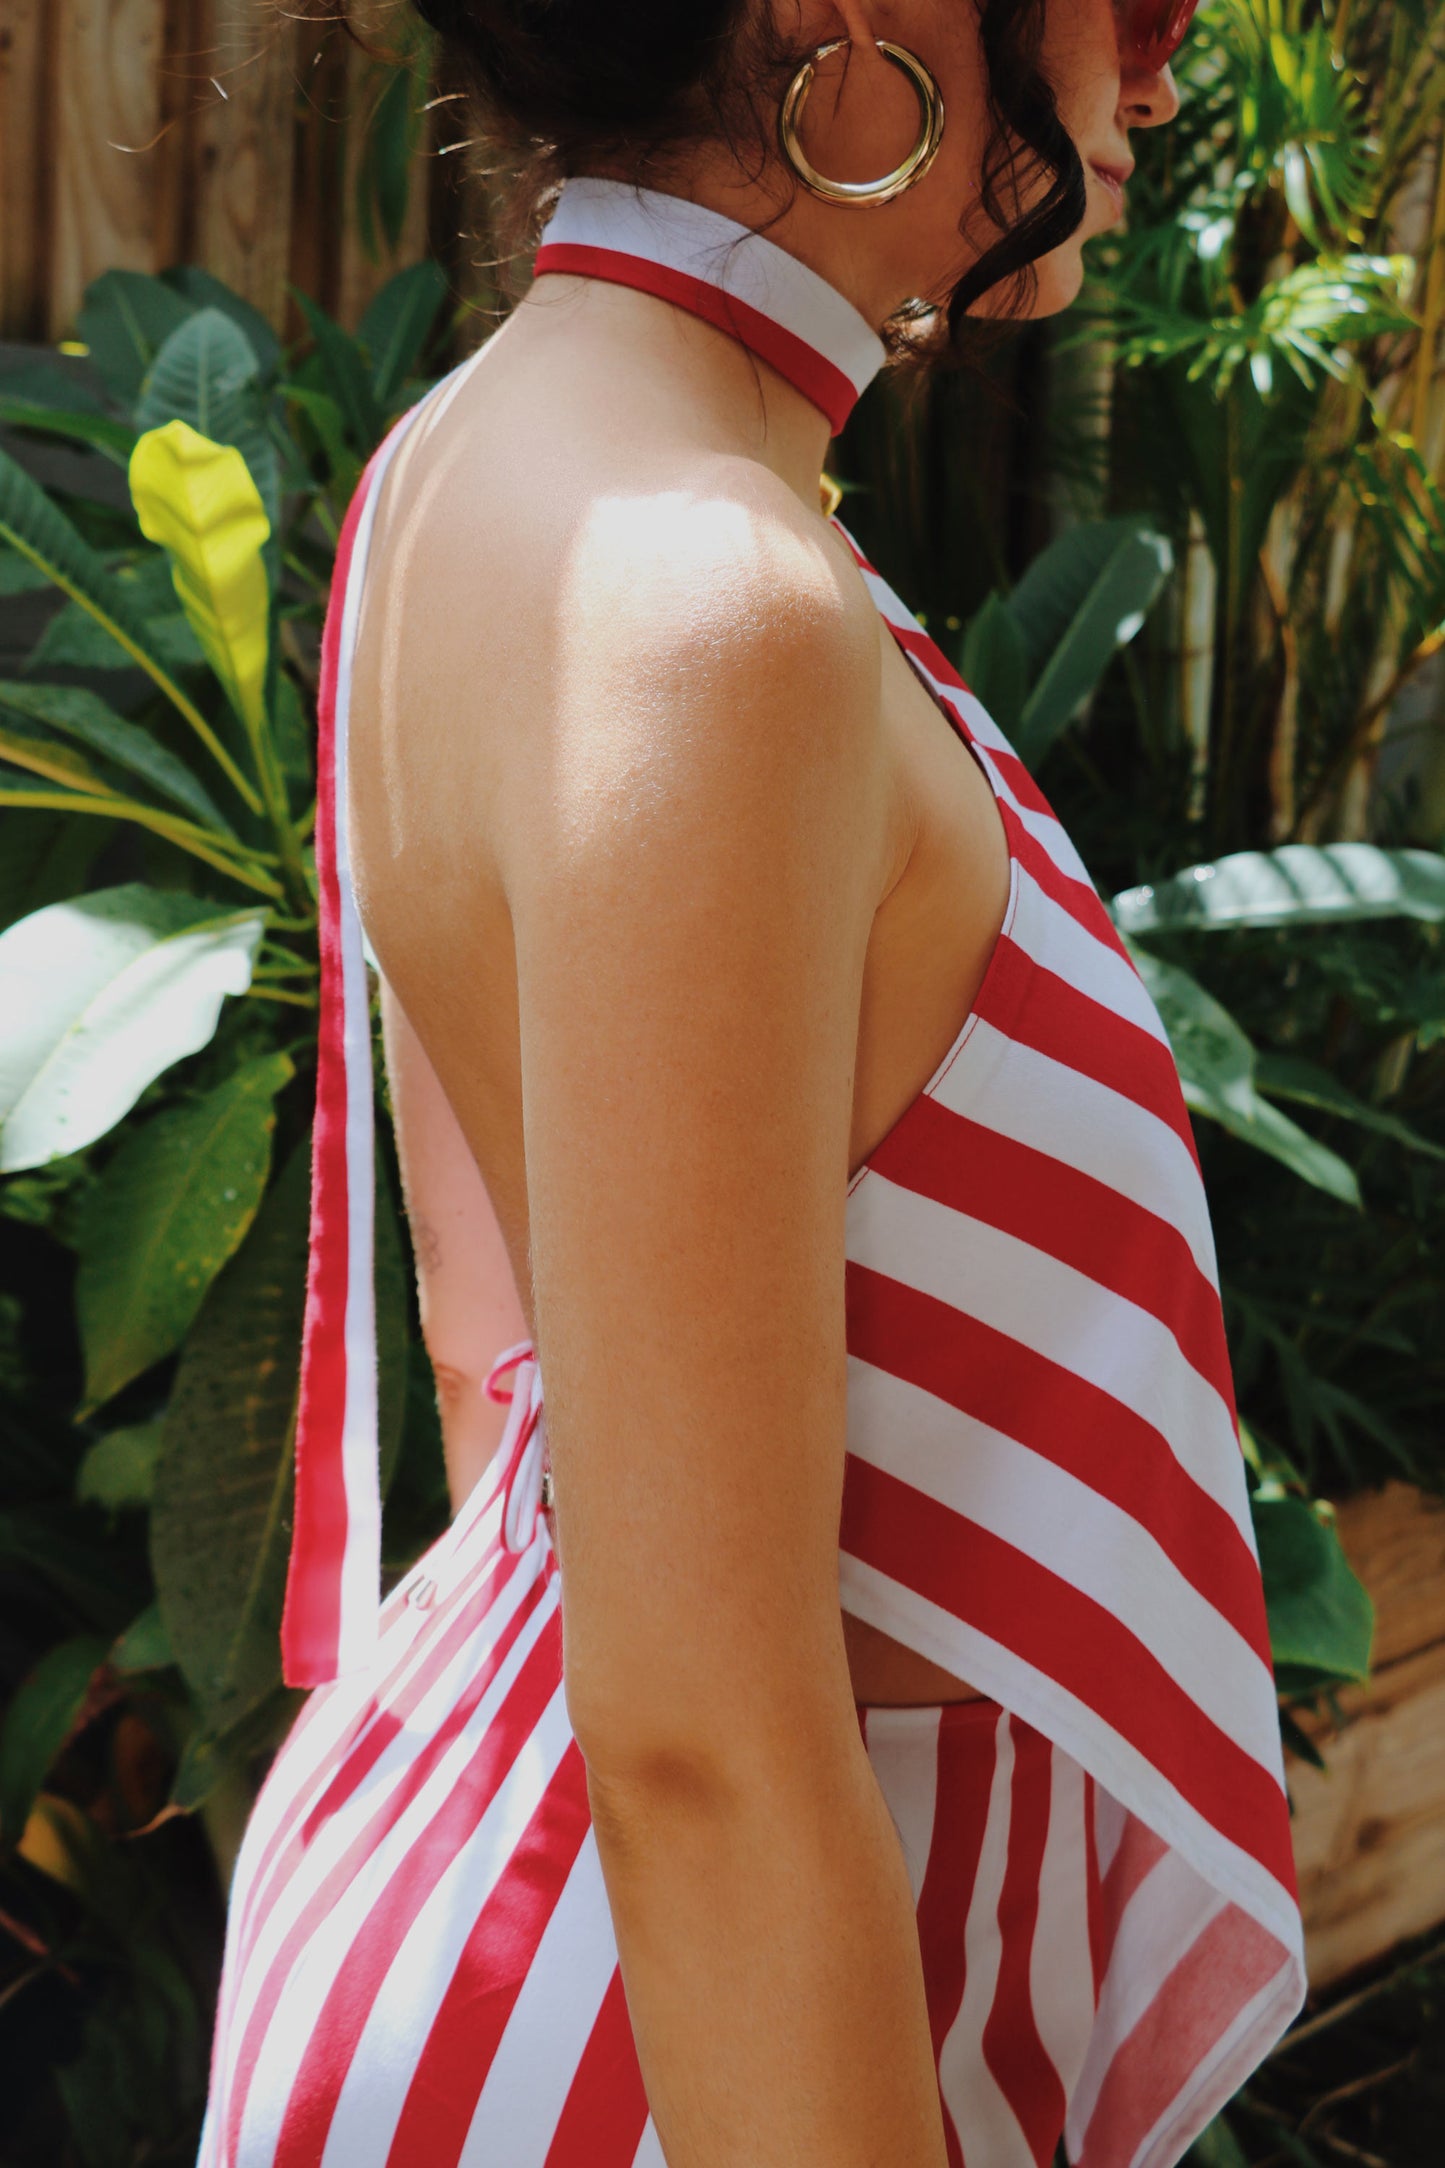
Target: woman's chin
1060 280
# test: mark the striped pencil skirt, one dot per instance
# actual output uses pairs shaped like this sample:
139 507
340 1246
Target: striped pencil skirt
420 1966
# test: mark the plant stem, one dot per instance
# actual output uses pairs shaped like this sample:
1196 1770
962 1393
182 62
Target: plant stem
1314 2026
1355 2087
178 832
1341 32
1364 729
1432 311
296 970
179 700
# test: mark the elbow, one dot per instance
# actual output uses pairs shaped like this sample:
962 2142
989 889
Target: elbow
704 1751
632 1749
633 1798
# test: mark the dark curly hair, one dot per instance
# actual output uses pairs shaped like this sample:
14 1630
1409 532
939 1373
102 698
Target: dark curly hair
575 86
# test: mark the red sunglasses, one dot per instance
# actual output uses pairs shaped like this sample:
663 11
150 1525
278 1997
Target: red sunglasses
1155 28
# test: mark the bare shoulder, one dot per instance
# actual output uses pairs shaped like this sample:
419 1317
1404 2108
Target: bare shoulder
711 644
726 567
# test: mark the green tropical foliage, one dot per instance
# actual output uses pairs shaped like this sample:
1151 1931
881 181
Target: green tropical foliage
1258 773
156 1080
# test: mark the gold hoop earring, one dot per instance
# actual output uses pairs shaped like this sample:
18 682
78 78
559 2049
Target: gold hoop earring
914 166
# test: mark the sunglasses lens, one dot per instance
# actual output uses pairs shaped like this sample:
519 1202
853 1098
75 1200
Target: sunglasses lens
1157 27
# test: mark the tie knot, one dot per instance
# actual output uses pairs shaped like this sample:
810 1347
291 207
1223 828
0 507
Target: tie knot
525 1476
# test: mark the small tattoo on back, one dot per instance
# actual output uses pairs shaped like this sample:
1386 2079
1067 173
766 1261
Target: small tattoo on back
427 1244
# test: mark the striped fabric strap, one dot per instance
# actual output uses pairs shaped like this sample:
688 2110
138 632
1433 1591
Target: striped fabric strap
329 1624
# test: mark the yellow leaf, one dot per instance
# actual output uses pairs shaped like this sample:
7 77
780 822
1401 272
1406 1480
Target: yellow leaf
197 499
56 1840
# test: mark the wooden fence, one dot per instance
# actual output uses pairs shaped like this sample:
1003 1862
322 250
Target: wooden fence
145 133
1369 1831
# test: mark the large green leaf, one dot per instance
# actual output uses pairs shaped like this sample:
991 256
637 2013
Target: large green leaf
42 776
386 169
75 1560
125 320
73 640
40 752
1216 1063
395 327
197 372
994 662
18 576
171 1207
1321 1619
1297 885
1291 1076
221 1514
46 378
205 291
41 1716
145 1645
44 858
100 995
221 1758
1216 2147
83 716
40 532
347 376
205 375
221 1508
1082 600
75 425
119 1469
321 415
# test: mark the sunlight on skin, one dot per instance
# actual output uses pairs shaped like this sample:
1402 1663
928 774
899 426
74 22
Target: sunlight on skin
676 548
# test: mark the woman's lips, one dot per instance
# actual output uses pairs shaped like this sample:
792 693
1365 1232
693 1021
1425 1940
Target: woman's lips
1114 178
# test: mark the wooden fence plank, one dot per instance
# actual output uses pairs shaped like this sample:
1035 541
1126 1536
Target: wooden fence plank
109 112
1395 1540
245 142
1369 1833
316 213
360 276
24 166
117 149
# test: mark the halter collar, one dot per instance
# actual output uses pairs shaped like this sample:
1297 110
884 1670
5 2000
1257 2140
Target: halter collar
734 278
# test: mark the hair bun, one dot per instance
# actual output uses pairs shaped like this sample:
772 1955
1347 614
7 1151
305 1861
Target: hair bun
552 68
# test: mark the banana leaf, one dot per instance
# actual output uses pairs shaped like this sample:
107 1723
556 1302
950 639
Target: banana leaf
1299 884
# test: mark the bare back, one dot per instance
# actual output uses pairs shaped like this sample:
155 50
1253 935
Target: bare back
504 568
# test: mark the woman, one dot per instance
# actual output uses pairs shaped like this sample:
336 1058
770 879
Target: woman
871 1755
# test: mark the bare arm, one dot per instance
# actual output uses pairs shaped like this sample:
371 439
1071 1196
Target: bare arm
692 872
470 1310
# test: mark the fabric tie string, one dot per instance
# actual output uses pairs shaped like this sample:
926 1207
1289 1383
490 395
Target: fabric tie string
522 1454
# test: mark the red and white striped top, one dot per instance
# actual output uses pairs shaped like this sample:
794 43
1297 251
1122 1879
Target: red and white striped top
1044 1490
